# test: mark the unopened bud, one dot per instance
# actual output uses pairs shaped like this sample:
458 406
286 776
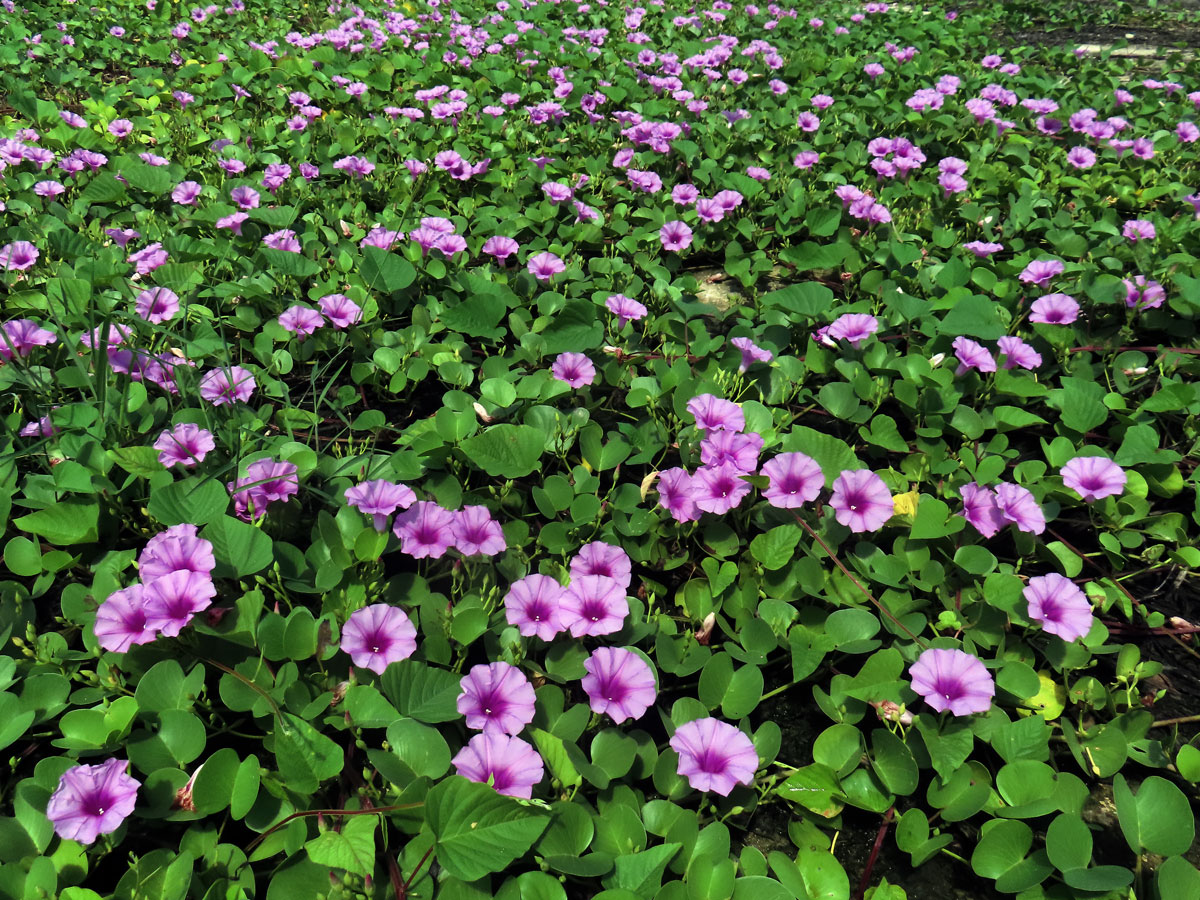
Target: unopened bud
339 693
706 629
1140 370
936 360
482 413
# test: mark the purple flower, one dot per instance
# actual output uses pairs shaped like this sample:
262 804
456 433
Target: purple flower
508 763
184 445
267 481
1060 607
981 510
718 489
121 620
606 560
545 265
796 479
172 600
284 239
972 355
223 386
1138 230
186 192
626 309
1093 477
983 249
157 304
1041 271
233 222
1054 309
574 369
355 165
149 258
425 530
1143 294
533 604
808 122
92 800
714 414
22 335
714 755
619 683
1018 353
853 327
178 549
594 605
496 697
751 353
122 236
476 533
861 501
738 450
377 636
500 247
340 310
120 128
675 495
245 197
301 320
1018 506
952 680
684 194
379 499
1081 157
675 236
806 159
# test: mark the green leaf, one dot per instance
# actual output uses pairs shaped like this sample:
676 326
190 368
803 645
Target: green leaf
574 327
422 692
240 548
23 557
641 873
352 848
293 265
832 455
165 687
974 316
1158 818
477 831
421 748
948 743
808 298
385 272
215 781
140 461
774 549
72 520
893 762
192 501
1177 879
477 316
305 756
13 720
823 876
506 451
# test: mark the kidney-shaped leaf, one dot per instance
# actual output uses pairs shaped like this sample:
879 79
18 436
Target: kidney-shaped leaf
478 831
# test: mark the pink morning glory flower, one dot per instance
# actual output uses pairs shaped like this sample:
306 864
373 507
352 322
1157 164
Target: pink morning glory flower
594 605
184 445
714 755
1061 607
952 680
92 800
861 500
619 684
377 636
1094 477
496 697
533 604
573 369
795 479
508 763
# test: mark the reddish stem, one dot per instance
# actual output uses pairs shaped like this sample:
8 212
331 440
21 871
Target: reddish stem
866 875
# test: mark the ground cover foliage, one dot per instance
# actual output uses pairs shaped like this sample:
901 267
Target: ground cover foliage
516 450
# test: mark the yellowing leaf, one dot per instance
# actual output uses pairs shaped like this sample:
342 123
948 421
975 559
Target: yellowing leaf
906 504
1050 700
